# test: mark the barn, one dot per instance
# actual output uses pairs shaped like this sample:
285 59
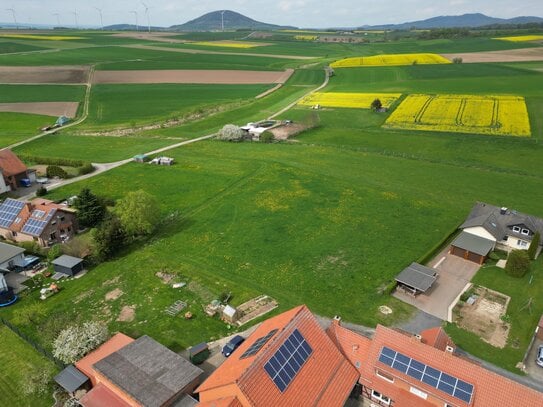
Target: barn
471 247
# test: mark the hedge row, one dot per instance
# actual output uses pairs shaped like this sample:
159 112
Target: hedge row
53 160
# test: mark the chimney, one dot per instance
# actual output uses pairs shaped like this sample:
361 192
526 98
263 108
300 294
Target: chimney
418 337
449 349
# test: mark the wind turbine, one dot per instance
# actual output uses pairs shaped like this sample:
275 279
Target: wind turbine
75 17
136 15
147 13
222 19
58 18
14 18
101 20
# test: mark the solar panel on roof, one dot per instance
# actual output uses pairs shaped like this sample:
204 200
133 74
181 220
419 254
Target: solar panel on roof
288 360
427 374
34 226
37 213
9 210
258 344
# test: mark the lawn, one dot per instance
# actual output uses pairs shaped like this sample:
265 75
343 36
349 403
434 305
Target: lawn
523 319
18 359
132 105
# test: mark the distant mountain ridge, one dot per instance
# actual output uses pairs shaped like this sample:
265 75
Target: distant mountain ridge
464 20
232 21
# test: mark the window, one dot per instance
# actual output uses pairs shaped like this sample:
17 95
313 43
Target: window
522 243
525 232
418 392
385 376
14 234
378 396
53 236
61 218
516 229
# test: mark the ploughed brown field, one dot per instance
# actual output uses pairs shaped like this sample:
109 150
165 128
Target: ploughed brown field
68 109
44 74
513 55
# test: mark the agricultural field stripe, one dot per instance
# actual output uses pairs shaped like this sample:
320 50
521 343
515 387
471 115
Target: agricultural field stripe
72 74
201 51
218 77
390 60
348 100
68 109
513 55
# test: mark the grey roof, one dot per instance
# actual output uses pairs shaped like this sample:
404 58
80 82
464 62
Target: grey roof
473 243
417 276
185 401
148 371
67 261
71 378
499 225
8 252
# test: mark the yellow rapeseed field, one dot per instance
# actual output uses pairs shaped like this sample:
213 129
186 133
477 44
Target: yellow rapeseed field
390 60
229 44
494 115
305 37
40 37
521 38
349 100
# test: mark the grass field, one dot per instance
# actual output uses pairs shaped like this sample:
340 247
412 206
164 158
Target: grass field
131 105
18 361
493 115
348 99
41 93
7 47
19 126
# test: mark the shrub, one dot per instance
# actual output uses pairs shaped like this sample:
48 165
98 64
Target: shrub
41 191
518 263
76 341
376 104
231 132
267 137
532 250
56 171
457 60
85 169
54 252
37 382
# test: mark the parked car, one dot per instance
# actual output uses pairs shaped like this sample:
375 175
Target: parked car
232 345
539 356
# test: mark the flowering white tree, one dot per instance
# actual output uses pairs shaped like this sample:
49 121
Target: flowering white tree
231 132
75 342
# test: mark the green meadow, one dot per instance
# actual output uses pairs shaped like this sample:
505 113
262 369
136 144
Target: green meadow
19 126
41 93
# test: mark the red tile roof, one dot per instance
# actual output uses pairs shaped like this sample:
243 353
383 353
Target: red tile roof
10 163
117 342
437 338
101 396
224 402
490 389
326 378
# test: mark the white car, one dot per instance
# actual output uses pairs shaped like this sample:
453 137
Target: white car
539 356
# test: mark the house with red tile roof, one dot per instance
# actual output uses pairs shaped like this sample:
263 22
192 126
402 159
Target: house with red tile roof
400 369
12 169
288 361
41 221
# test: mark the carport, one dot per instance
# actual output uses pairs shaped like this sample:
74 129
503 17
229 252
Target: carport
416 278
471 247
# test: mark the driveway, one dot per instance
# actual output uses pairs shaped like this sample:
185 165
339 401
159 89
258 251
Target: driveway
454 275
533 370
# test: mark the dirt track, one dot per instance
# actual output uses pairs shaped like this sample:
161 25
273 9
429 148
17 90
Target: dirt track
514 55
44 74
68 109
193 76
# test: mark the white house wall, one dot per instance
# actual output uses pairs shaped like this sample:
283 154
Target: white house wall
513 243
481 232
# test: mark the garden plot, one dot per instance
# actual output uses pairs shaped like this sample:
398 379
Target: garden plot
493 115
348 100
228 77
44 74
68 109
483 313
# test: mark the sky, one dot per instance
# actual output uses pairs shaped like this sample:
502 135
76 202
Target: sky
299 13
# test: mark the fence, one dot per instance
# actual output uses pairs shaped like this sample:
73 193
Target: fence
32 343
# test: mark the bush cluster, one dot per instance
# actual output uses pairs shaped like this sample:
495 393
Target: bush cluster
56 171
518 263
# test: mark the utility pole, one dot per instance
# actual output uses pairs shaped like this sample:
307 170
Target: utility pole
14 18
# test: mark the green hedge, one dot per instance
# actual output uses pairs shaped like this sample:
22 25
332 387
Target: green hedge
425 258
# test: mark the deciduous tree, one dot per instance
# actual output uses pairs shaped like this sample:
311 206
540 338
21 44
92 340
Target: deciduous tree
139 213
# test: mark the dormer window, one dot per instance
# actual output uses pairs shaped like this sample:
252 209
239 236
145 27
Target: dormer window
525 232
516 229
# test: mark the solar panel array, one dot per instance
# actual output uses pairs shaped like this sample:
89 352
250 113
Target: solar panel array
35 227
427 374
9 210
37 213
288 360
257 345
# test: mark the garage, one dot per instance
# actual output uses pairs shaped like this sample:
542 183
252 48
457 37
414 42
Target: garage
471 247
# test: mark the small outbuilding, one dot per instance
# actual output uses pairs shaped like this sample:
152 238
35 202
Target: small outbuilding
230 314
471 247
141 158
71 379
416 278
68 265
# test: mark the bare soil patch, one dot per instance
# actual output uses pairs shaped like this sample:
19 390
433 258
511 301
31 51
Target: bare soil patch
44 74
288 130
158 36
254 308
514 55
484 316
227 77
68 109
128 313
113 295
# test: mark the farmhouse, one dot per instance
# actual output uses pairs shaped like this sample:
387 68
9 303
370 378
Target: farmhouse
14 172
488 227
126 372
291 360
41 221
